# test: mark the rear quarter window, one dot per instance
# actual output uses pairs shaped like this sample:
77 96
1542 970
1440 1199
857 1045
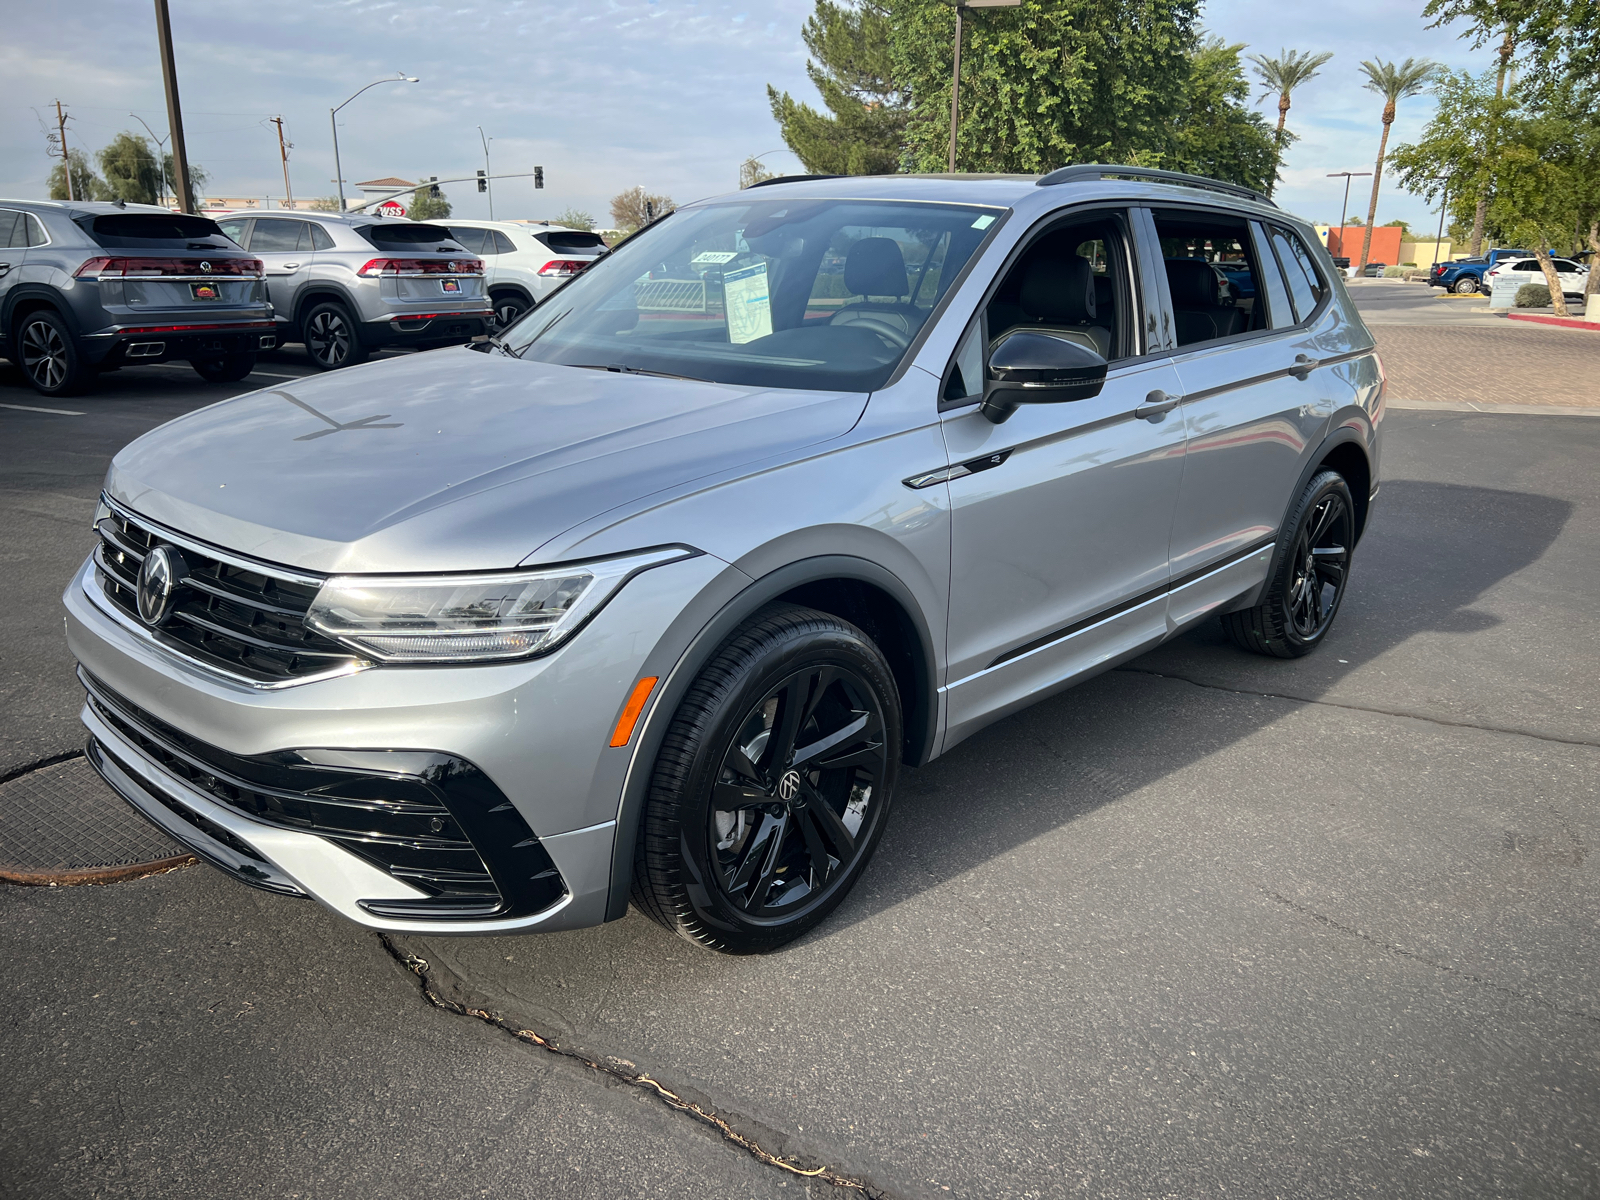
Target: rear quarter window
154 231
410 237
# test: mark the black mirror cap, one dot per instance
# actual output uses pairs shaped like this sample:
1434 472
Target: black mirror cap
1036 368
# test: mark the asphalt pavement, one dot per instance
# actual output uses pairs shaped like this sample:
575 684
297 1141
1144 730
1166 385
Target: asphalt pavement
1207 925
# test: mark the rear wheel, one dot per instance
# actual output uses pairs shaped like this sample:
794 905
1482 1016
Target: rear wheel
773 784
1304 594
331 338
49 357
1466 285
229 368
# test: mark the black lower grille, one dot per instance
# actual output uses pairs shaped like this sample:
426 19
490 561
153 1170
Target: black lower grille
248 622
432 820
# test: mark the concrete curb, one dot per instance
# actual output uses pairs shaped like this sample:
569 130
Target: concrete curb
1517 410
1562 322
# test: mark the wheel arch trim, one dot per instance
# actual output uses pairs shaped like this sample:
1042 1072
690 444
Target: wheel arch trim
730 614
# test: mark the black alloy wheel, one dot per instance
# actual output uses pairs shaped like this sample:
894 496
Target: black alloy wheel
773 784
1313 569
331 337
508 306
227 368
48 355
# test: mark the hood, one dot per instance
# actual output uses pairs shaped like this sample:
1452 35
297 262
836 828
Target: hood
451 460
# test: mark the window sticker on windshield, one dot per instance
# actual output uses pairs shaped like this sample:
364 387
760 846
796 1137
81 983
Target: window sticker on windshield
749 303
716 257
983 222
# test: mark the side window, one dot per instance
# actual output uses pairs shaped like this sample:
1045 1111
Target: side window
321 239
1213 275
1304 285
235 228
1279 309
277 237
966 368
36 233
502 244
470 239
11 230
1074 282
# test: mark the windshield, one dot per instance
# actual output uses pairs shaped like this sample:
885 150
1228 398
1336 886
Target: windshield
823 294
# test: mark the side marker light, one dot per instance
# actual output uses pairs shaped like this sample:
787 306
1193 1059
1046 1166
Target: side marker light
632 709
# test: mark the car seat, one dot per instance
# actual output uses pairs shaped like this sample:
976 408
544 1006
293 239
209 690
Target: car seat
1058 297
1199 315
875 267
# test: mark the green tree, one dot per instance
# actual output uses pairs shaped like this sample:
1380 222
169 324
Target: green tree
429 204
1285 75
86 185
575 218
1393 83
325 204
198 177
1452 157
1540 188
753 171
1214 133
131 170
851 66
636 208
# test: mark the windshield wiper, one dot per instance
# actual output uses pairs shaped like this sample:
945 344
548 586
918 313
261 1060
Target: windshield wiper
635 371
494 340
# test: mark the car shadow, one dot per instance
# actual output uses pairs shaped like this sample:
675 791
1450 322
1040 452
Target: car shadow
1432 551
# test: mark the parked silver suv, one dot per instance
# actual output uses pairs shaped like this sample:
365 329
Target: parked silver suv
657 595
88 287
348 285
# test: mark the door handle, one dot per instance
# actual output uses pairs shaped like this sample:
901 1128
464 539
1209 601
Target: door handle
4 267
291 266
1156 403
1302 367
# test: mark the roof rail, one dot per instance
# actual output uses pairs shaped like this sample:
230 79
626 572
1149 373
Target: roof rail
790 179
1086 171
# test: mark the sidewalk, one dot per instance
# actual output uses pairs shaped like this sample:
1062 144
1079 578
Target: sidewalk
1514 364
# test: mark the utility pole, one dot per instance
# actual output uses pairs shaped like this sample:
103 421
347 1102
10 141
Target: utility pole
1345 208
955 74
169 76
66 162
283 150
487 173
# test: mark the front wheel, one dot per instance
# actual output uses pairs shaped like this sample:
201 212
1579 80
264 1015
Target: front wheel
229 368
331 337
1313 569
773 783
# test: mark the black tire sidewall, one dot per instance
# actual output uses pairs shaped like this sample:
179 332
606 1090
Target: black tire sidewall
705 725
1324 483
78 376
357 352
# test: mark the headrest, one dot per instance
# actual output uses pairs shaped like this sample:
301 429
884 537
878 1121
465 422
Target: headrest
875 267
1059 291
1192 282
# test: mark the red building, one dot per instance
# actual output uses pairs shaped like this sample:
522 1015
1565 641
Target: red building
1345 242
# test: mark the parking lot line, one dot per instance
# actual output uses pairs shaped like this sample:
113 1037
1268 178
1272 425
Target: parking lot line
275 375
60 412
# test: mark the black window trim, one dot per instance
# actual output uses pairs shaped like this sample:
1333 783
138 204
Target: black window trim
1123 209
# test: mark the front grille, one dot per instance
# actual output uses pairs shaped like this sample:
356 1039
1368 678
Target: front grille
421 816
245 622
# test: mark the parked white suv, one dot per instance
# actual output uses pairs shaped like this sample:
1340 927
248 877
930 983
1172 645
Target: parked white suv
526 261
1527 270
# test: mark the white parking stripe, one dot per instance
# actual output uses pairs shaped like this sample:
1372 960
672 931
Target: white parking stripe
60 412
274 375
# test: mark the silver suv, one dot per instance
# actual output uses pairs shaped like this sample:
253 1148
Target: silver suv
658 594
347 285
87 287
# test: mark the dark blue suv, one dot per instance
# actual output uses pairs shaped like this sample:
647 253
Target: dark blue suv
1465 275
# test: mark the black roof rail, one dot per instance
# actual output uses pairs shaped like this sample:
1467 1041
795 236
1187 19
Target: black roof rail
790 179
1085 171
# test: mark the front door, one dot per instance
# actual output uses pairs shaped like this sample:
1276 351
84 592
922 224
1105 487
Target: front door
1062 517
284 246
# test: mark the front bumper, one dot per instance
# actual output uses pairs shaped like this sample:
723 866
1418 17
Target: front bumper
161 341
538 730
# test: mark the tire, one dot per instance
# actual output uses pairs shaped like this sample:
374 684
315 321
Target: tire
1294 616
791 840
508 306
48 355
230 368
1465 286
331 337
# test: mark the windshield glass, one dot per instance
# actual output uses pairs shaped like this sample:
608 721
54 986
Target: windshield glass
824 294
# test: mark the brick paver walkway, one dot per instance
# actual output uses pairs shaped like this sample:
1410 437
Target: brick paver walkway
1513 364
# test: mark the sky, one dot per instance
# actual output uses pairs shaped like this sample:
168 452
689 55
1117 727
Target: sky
603 94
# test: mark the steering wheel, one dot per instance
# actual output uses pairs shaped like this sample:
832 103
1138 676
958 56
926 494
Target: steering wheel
898 339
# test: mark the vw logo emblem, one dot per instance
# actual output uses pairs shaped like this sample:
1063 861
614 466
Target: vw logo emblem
789 785
205 266
159 576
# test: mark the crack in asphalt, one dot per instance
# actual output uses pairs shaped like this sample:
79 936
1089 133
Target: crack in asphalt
39 764
613 1070
1382 712
1411 955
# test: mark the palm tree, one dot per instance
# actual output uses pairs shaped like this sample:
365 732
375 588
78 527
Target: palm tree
1283 75
1393 84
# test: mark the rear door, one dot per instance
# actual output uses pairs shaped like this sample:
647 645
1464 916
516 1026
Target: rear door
13 249
285 247
1255 404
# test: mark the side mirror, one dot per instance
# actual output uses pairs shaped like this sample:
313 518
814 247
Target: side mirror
1027 367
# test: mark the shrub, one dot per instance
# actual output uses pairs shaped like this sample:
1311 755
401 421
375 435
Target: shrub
1394 273
1533 295
1408 264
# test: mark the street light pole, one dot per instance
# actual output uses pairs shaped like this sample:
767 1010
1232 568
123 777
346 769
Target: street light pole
333 118
488 173
955 72
161 154
1348 176
1444 196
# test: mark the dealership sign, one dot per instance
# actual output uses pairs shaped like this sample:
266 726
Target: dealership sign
391 208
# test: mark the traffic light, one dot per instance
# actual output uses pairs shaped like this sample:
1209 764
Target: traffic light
483 182
538 177
433 188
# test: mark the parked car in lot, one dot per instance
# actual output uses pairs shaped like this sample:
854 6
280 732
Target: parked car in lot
1375 270
348 285
526 262
658 594
88 287
1465 276
1572 275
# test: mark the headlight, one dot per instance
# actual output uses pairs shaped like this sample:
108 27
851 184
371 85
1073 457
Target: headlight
472 618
